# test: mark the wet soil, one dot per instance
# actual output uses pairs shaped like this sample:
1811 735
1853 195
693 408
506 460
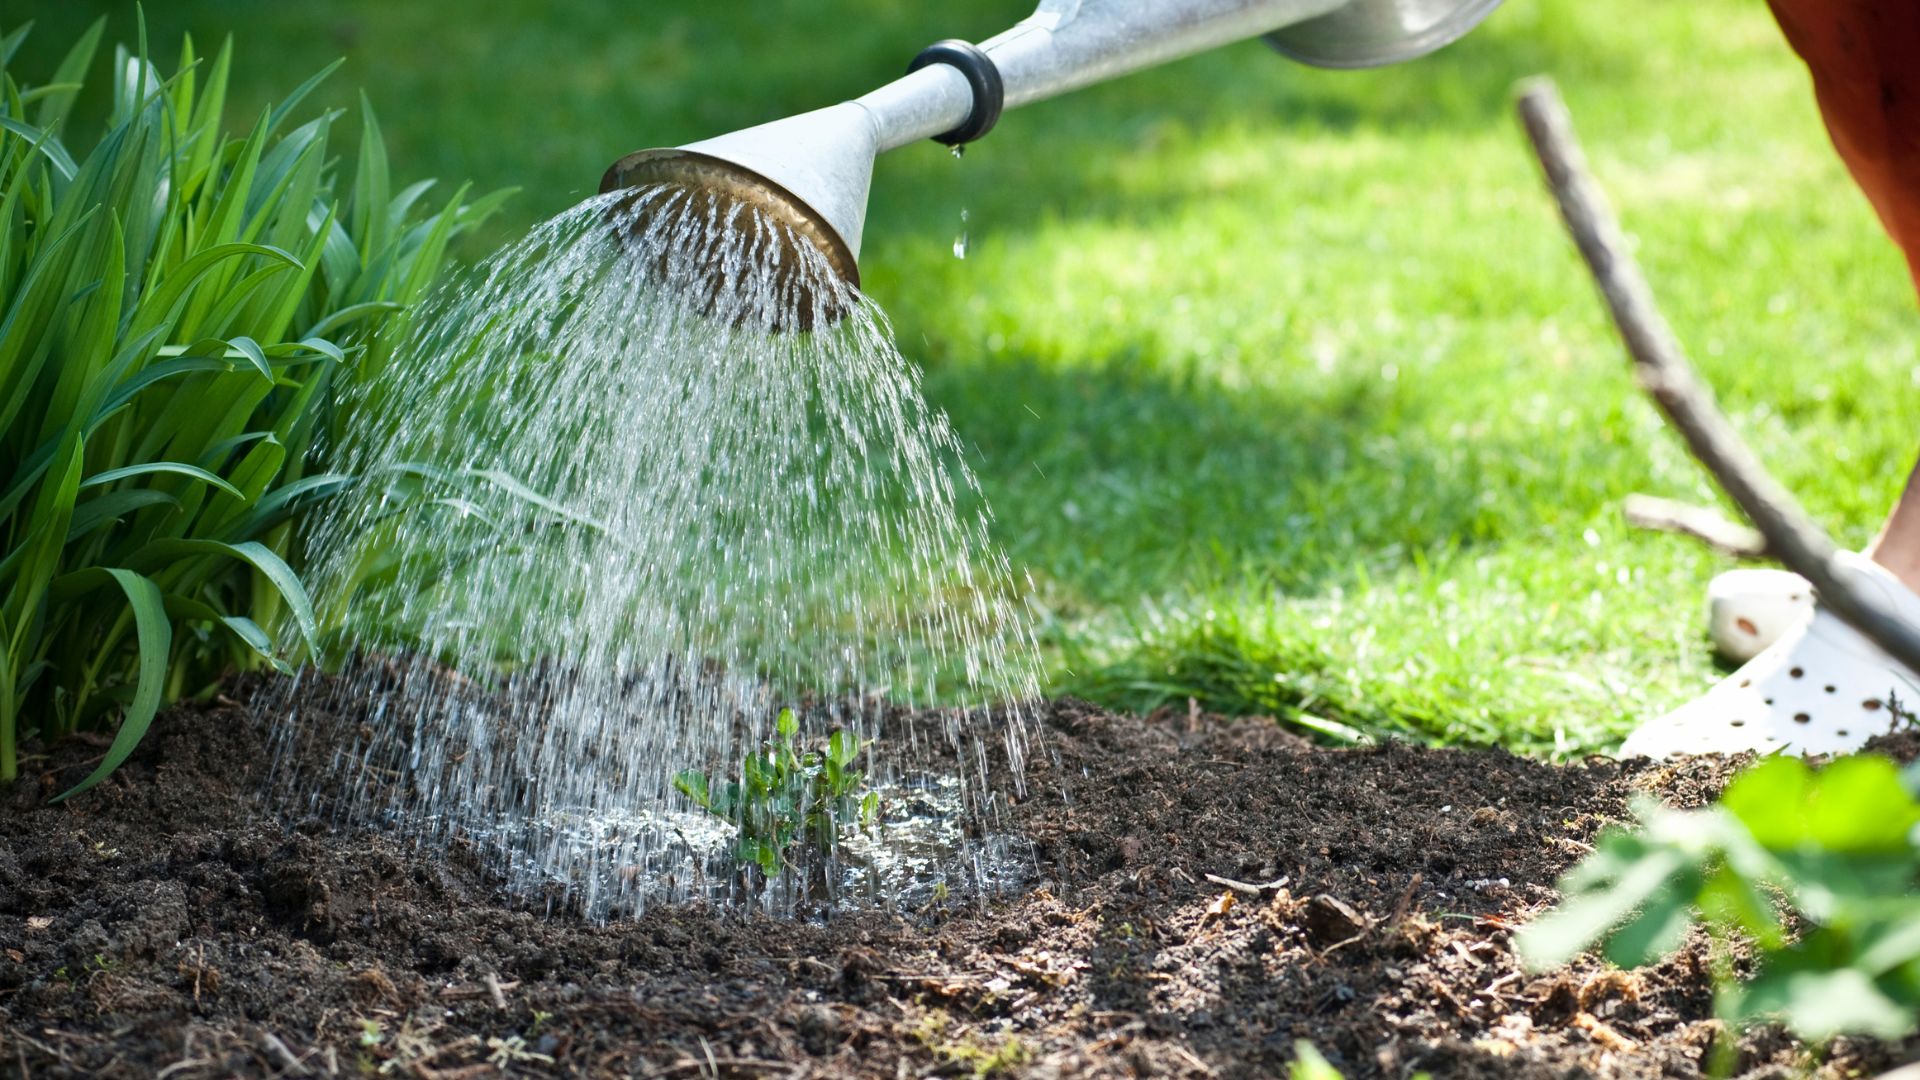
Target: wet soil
165 924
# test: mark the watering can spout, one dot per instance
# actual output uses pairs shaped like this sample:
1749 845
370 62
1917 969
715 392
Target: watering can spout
810 172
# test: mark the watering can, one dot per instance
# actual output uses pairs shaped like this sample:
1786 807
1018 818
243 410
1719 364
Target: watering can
811 172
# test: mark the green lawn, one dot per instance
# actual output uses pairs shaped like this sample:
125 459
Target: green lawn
1286 387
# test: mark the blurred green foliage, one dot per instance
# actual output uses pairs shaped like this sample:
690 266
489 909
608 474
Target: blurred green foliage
1840 847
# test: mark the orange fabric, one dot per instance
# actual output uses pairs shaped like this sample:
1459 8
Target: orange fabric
1865 60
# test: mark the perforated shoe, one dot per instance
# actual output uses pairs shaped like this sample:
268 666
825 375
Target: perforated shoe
1820 688
1751 608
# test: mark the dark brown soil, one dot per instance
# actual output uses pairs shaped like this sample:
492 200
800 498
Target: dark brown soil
165 925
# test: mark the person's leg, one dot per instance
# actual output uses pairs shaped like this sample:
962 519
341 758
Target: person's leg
1864 56
1822 687
1898 546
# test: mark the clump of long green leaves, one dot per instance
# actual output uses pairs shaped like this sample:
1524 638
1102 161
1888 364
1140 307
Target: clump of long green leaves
175 307
788 802
1839 848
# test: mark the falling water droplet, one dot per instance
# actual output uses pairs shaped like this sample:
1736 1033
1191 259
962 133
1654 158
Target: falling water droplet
960 242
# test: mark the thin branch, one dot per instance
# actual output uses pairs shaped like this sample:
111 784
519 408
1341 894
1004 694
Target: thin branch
279 1051
1702 523
1247 887
1667 376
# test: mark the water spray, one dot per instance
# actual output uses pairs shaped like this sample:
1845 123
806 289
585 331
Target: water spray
623 530
810 173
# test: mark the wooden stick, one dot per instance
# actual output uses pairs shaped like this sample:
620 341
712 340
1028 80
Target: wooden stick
1247 887
281 1053
1702 523
1665 374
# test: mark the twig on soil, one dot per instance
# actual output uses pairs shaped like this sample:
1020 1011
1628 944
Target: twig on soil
1703 524
413 1049
1117 1036
1461 951
494 989
1405 903
718 1063
1205 1069
1341 944
463 1072
1251 890
279 1052
1440 991
1669 379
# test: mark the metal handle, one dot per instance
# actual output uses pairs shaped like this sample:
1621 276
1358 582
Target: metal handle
1068 44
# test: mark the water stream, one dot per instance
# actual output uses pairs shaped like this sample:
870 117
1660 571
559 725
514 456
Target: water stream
614 513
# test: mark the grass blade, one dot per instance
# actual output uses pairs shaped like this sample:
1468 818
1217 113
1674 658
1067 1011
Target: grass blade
151 467
43 142
154 642
250 349
111 507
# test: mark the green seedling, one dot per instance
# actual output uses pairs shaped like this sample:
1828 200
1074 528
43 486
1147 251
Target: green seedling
1310 1064
1838 849
789 802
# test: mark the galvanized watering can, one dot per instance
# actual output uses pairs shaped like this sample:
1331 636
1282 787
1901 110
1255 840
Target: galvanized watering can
812 171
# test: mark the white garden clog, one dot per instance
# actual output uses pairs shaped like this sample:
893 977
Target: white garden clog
1821 688
1753 607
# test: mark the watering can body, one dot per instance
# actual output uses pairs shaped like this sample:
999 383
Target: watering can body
1068 44
1370 33
810 172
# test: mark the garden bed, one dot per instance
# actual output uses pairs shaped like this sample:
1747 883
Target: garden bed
165 922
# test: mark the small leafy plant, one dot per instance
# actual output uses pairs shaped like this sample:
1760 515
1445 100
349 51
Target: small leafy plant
1839 849
788 802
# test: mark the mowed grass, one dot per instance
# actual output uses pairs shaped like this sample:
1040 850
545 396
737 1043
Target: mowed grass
1284 385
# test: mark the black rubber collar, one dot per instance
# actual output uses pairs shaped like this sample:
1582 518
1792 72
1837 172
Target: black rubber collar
989 93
